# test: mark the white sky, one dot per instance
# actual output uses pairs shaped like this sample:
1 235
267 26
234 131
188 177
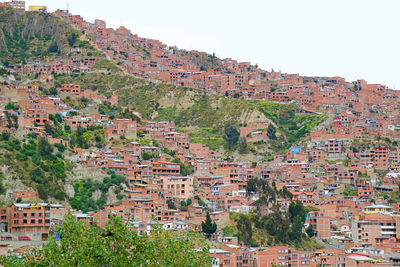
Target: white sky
349 38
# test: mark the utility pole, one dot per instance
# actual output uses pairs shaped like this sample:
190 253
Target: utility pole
68 12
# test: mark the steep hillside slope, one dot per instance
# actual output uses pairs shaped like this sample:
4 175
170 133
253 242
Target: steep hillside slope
33 36
203 115
31 163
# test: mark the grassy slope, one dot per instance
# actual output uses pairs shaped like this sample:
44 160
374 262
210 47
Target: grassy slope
201 114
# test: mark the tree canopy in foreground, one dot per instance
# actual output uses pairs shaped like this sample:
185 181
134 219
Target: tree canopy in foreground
82 244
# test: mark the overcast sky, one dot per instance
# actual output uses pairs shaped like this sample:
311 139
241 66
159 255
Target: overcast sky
349 38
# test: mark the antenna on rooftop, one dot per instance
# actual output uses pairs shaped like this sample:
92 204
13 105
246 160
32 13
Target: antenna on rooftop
68 11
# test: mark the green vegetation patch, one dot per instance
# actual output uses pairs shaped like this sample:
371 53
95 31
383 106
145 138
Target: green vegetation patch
36 164
83 197
22 41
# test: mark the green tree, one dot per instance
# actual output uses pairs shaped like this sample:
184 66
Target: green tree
72 38
148 155
12 120
243 146
82 244
79 136
53 48
58 117
200 201
286 193
296 229
12 106
5 136
310 231
60 147
231 136
261 186
45 148
186 169
251 187
49 129
171 204
297 209
183 206
208 226
245 229
271 132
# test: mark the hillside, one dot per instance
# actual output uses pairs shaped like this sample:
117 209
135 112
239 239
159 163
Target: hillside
28 36
36 164
81 129
32 36
203 115
119 149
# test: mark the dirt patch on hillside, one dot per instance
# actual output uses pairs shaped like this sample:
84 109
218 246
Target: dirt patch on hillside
84 173
252 116
181 102
11 183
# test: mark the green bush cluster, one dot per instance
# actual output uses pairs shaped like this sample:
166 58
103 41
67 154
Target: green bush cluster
87 137
37 165
83 197
293 126
280 227
186 169
148 155
117 244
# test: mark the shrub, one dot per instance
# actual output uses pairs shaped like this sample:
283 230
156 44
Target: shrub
60 147
160 248
53 48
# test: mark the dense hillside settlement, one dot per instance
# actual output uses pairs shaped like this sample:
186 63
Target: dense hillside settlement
274 169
